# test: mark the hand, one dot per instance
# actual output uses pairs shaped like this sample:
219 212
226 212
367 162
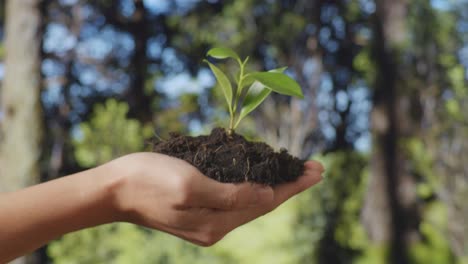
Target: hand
170 195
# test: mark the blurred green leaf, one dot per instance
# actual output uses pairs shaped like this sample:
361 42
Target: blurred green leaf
109 134
457 78
453 108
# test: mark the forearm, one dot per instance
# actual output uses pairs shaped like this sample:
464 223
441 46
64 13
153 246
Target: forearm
31 217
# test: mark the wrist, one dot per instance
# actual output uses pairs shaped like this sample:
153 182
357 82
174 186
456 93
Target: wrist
114 186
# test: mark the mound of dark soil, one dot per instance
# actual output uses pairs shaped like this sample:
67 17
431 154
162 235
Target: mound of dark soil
232 158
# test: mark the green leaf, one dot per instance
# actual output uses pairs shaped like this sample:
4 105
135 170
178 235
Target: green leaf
280 70
223 82
278 82
249 80
253 101
223 53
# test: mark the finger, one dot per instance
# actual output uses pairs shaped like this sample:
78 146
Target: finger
228 196
312 175
209 193
313 165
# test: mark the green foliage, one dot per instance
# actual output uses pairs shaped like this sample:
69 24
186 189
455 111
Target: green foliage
216 28
109 134
373 254
364 64
263 241
256 85
127 243
268 239
328 216
422 161
435 247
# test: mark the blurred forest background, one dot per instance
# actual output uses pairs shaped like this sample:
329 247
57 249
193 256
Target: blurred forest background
385 81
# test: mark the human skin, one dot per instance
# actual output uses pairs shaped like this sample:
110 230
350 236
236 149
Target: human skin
147 189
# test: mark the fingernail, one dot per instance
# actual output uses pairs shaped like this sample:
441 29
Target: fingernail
316 166
264 194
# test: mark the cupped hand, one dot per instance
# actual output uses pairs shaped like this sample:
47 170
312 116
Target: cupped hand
170 195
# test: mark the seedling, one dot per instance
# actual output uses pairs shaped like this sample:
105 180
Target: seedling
248 90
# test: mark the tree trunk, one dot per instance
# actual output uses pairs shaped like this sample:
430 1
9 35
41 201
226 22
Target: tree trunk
389 212
139 102
20 131
138 25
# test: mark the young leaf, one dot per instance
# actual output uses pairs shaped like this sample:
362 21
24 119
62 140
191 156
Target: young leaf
280 70
253 102
250 81
224 83
223 53
278 82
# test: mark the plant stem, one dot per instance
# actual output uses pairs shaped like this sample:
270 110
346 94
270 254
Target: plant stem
239 88
231 122
233 110
238 93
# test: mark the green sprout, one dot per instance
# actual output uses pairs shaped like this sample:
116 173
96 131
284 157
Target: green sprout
250 89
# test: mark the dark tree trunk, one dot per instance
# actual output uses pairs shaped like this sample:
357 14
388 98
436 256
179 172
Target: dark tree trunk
138 25
138 100
390 213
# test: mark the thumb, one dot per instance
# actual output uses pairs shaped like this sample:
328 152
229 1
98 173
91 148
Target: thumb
230 196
